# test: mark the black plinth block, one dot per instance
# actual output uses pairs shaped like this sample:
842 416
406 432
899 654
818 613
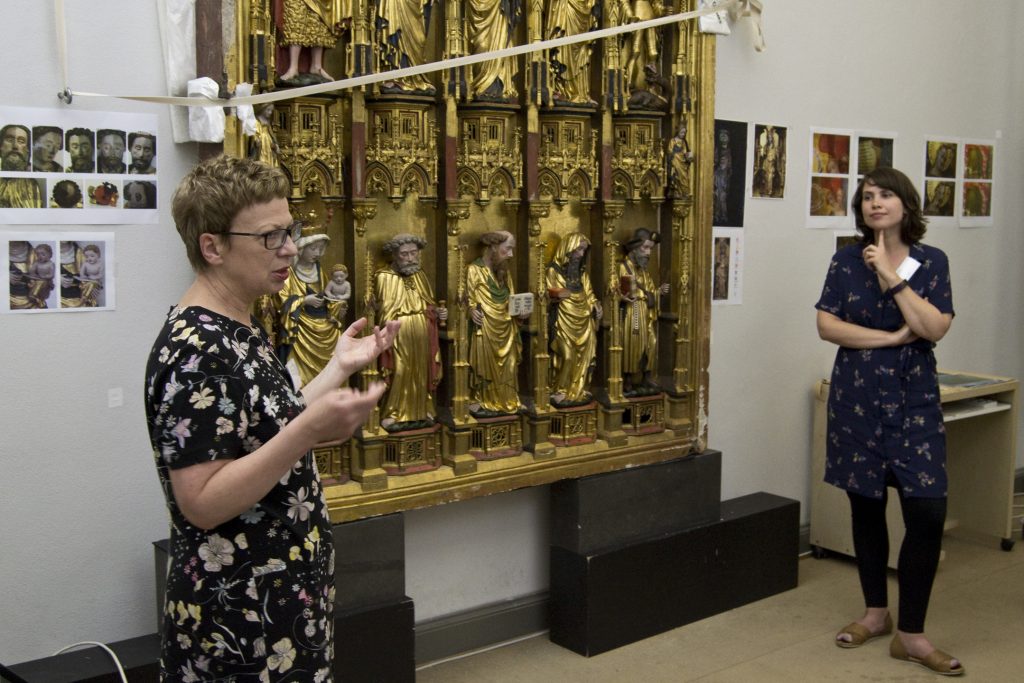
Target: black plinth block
369 566
603 600
138 657
375 644
609 510
374 621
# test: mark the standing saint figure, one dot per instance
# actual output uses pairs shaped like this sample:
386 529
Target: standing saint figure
262 144
492 25
412 367
401 27
680 159
570 63
494 344
312 24
644 49
639 304
572 322
306 331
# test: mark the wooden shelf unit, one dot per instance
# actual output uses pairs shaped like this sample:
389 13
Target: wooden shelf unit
981 454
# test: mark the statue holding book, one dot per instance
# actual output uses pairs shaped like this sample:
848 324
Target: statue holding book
495 348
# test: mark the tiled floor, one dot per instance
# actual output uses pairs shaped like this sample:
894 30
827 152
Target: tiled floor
976 613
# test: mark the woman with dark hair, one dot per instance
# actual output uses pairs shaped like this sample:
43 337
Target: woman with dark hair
886 301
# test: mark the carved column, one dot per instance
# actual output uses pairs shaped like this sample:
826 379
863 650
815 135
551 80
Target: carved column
612 409
537 78
539 421
456 212
456 452
680 398
367 459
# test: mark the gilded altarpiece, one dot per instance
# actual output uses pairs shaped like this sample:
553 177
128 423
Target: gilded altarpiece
576 146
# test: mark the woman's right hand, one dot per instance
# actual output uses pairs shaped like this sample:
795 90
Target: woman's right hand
313 301
340 412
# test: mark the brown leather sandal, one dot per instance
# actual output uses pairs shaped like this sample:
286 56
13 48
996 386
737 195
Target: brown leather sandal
936 660
859 634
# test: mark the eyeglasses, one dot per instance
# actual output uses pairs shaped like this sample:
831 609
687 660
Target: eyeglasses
275 239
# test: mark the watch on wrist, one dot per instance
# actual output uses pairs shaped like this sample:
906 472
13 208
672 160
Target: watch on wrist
903 284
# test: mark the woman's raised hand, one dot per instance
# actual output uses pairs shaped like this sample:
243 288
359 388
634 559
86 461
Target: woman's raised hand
340 412
354 352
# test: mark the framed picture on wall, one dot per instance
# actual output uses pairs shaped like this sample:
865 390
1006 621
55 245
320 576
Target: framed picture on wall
727 266
59 272
73 167
874 150
768 176
978 164
939 192
730 173
829 182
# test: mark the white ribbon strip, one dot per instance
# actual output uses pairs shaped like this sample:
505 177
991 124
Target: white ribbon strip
397 74
62 49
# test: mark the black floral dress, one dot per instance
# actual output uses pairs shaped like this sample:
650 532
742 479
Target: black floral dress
883 405
252 599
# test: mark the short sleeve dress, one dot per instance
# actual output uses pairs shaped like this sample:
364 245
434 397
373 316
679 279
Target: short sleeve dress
883 406
252 599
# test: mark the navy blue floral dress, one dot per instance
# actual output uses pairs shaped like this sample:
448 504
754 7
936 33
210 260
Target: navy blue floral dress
883 406
252 599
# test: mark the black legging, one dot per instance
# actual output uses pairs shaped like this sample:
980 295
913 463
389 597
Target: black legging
919 555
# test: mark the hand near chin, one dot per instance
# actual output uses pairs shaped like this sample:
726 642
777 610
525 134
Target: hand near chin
877 259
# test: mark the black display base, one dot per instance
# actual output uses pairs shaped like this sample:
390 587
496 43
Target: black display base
376 644
374 621
138 657
613 509
606 599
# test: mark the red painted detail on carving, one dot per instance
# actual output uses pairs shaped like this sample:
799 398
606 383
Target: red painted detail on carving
358 160
532 157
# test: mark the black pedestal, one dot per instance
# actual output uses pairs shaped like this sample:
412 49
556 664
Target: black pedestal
376 643
374 621
138 657
609 510
605 595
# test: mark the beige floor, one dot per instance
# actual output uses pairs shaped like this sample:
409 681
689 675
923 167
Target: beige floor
977 613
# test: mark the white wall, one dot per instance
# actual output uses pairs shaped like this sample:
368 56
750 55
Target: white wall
916 68
79 500
79 497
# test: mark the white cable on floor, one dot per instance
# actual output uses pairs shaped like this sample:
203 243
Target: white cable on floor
117 662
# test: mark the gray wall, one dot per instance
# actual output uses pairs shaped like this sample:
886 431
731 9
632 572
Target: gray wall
79 500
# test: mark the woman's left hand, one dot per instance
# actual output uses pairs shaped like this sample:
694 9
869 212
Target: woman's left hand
353 352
